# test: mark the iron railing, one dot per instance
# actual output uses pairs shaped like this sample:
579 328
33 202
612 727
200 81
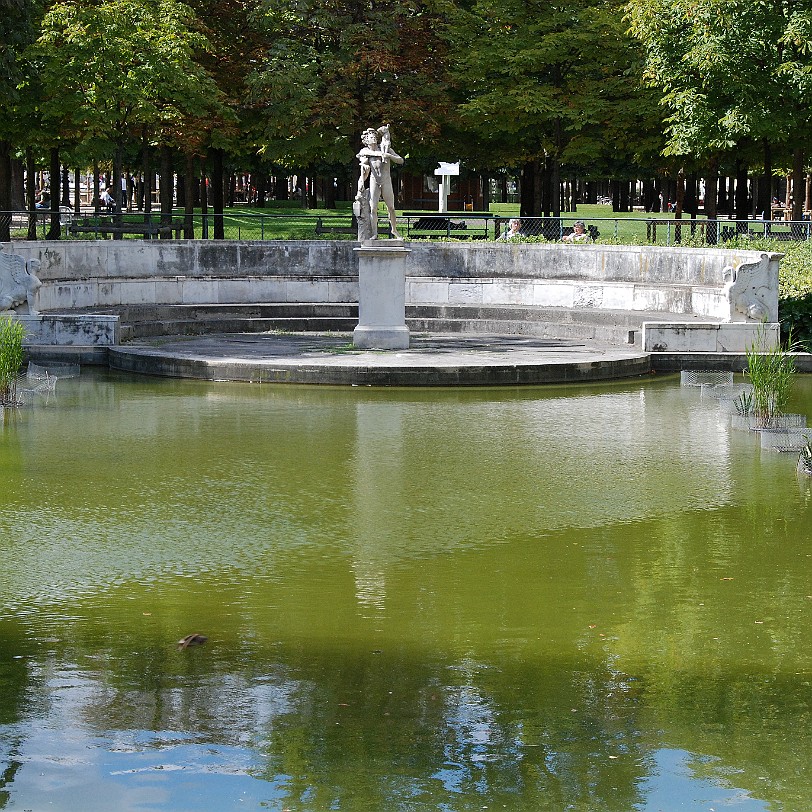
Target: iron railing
242 225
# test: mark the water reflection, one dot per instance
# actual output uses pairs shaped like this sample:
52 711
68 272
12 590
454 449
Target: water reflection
552 599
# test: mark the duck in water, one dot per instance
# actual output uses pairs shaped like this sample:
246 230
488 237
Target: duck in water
192 640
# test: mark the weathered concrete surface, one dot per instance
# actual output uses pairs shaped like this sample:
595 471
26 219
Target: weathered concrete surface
382 296
709 337
692 281
70 330
429 361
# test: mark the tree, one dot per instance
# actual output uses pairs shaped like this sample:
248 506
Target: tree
545 84
334 67
119 68
18 20
735 76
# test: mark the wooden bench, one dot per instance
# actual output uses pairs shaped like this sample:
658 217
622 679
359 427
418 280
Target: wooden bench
109 227
343 228
465 225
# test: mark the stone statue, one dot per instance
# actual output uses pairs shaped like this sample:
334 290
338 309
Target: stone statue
375 182
18 284
752 290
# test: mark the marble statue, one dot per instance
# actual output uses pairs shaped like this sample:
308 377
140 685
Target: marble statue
375 182
752 289
18 284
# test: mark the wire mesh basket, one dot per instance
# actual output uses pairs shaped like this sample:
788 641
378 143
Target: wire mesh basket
698 377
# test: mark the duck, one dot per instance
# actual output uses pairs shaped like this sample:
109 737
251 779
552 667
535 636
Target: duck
192 640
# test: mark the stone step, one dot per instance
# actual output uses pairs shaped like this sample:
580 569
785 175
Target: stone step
200 326
576 331
618 327
133 313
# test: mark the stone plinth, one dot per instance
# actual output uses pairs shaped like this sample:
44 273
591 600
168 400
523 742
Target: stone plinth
70 330
382 296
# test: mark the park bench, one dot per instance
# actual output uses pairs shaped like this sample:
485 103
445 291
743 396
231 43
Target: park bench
468 226
110 227
324 226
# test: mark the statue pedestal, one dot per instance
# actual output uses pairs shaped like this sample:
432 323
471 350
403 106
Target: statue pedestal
382 296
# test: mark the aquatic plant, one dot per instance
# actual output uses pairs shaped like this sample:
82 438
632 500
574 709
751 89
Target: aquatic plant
771 371
744 403
12 334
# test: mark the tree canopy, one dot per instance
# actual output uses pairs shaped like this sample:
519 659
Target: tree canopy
600 88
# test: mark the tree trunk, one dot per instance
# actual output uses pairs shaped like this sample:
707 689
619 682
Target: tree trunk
555 185
625 195
166 188
77 191
96 189
741 196
65 187
17 184
217 193
528 198
311 201
690 204
329 192
765 189
54 231
204 202
280 186
798 190
149 176
485 185
543 191
118 197
231 189
5 191
31 193
260 179
189 202
711 189
721 197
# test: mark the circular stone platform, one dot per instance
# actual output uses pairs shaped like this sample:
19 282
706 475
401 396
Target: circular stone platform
431 360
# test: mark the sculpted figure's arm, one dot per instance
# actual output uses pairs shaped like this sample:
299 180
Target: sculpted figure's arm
363 158
393 156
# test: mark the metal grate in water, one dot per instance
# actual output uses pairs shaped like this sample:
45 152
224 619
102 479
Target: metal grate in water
698 377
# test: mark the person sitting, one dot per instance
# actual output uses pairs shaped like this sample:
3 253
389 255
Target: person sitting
514 230
107 200
579 233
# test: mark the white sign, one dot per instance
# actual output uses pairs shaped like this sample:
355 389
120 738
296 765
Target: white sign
447 168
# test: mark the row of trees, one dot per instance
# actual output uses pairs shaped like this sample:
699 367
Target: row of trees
619 89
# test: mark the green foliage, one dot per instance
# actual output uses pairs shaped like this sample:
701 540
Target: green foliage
333 67
795 292
12 334
771 371
696 52
110 69
548 81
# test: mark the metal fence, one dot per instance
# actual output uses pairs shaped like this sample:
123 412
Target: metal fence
242 225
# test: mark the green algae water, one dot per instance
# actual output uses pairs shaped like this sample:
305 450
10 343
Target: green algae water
591 598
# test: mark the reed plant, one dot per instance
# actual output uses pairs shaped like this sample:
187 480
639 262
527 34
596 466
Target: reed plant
771 371
12 334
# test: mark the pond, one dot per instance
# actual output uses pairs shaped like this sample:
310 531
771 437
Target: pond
558 598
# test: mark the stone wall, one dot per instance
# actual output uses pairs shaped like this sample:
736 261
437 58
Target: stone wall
689 281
